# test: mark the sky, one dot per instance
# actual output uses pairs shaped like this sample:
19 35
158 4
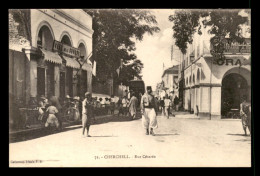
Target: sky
154 50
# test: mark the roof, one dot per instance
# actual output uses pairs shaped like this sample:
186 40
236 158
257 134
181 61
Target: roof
172 70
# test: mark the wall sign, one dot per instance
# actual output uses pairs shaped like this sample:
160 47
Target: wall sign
65 49
228 62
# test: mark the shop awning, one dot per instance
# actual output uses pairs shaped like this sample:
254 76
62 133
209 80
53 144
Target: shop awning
51 57
70 62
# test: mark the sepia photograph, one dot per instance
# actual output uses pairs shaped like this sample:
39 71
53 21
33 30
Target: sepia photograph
129 88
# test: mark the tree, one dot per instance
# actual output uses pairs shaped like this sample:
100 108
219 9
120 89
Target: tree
113 30
128 72
19 25
222 23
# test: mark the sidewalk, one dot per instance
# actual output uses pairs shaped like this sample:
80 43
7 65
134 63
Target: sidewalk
38 127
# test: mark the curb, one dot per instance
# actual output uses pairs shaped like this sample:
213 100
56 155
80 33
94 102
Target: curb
65 124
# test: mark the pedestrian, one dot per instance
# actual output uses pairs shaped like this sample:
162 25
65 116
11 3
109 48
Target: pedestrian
176 103
132 106
107 105
245 113
148 107
124 105
54 101
167 105
112 105
87 113
52 120
162 105
120 107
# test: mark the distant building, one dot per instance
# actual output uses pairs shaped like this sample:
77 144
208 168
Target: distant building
170 81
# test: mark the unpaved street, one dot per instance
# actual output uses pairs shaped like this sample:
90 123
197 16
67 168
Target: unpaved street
181 141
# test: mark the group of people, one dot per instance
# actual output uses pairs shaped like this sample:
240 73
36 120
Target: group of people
167 105
51 113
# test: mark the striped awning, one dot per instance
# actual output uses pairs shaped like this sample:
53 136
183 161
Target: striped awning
51 56
71 62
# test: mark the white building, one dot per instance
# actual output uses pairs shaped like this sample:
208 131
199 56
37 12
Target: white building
207 85
59 37
170 81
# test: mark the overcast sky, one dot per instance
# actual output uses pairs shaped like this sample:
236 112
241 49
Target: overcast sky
155 50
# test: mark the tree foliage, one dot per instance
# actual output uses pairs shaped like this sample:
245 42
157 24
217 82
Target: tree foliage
113 31
22 18
128 72
222 23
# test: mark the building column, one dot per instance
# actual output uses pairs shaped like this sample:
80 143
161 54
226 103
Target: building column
205 102
33 78
215 102
30 73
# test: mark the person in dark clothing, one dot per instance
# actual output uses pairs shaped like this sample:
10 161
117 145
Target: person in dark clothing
176 103
162 105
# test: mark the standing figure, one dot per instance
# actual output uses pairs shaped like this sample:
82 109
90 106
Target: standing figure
87 113
54 101
176 103
112 105
162 105
124 105
148 107
120 107
52 120
132 106
245 113
167 105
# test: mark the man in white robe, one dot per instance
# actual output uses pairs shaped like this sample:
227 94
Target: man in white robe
148 110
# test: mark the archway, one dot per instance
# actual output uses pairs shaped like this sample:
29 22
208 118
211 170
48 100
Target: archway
66 40
82 83
234 87
45 38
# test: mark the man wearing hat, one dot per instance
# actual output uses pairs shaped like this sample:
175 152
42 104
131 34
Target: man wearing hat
148 108
87 113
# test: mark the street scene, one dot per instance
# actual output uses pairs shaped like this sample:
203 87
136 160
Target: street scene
130 88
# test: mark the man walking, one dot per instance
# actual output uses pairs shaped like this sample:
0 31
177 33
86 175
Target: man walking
167 105
148 107
87 113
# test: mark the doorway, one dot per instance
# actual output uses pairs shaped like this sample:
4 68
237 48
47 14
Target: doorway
40 81
234 87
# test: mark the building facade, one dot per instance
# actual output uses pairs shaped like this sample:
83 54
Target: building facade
60 41
212 88
170 82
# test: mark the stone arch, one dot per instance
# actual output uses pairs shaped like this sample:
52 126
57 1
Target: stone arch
241 71
235 84
83 48
65 33
43 23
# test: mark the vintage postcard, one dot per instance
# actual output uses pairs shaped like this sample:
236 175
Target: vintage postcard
129 87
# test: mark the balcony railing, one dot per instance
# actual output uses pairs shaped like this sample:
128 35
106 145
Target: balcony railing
237 48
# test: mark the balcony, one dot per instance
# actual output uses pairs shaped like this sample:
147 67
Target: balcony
236 48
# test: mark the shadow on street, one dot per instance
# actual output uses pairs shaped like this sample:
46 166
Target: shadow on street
37 134
166 134
238 135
